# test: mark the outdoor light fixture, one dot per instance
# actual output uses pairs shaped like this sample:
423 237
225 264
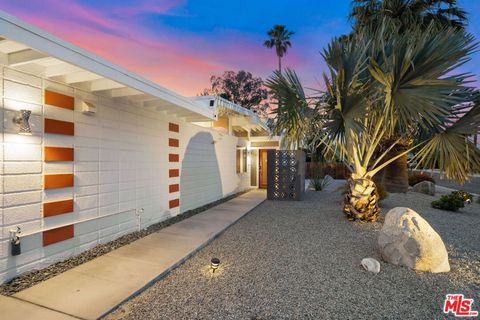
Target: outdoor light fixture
214 263
21 120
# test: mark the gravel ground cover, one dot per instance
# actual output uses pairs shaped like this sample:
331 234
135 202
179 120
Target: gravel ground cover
301 260
33 277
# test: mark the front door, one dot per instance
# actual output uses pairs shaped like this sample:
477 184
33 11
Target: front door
262 168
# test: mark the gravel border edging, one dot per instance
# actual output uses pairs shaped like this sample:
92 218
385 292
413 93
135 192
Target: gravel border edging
31 278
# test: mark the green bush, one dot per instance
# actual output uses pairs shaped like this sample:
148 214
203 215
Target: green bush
417 177
450 202
465 196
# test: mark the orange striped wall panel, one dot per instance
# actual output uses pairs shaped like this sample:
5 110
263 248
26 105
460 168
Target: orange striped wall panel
174 203
57 235
59 127
56 208
54 181
172 173
58 154
173 142
173 127
59 100
173 157
173 188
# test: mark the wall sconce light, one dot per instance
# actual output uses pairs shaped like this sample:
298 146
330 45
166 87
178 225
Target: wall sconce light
214 263
21 120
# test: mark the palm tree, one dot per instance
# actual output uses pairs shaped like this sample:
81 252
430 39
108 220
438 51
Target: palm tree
279 37
406 83
296 117
407 15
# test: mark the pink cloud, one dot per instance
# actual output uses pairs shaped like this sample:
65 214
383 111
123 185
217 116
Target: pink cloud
181 62
148 6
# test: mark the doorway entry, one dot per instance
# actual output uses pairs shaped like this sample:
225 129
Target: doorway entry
262 168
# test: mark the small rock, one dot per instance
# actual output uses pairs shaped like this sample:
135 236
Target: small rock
425 187
371 265
406 239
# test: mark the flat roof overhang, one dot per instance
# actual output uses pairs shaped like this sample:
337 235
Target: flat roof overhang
244 118
29 49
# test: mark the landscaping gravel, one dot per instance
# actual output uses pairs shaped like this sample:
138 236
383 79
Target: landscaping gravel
34 277
301 260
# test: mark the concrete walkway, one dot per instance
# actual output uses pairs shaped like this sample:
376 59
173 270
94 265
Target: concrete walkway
94 288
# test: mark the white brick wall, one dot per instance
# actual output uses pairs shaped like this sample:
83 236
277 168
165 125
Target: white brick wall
121 165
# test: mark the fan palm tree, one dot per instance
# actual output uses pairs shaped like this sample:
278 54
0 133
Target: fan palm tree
407 15
279 37
296 116
379 84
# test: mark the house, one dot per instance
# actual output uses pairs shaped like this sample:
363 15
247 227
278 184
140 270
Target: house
92 151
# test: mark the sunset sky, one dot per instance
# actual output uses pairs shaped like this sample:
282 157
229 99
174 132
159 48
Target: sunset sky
180 43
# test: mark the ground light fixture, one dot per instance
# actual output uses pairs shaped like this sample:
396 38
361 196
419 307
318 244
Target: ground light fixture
214 263
22 120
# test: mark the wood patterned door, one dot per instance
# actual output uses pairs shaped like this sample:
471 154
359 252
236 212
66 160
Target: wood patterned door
262 168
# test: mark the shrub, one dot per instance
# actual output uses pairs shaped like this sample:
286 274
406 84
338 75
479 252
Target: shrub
450 202
319 184
417 177
465 196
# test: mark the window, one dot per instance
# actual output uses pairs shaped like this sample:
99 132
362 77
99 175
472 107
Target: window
239 160
244 159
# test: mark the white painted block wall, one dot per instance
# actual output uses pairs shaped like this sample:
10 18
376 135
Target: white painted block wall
121 165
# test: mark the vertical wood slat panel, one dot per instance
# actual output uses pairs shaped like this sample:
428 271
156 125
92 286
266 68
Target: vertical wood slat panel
57 235
173 127
55 181
172 173
58 154
174 203
59 127
56 208
173 157
59 100
173 188
173 142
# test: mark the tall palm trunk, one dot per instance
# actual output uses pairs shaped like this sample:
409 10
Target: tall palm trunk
280 64
395 175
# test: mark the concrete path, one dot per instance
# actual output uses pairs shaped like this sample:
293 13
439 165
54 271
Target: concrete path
12 308
94 288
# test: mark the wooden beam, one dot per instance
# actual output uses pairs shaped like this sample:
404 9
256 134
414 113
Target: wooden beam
80 76
25 56
104 84
125 92
60 70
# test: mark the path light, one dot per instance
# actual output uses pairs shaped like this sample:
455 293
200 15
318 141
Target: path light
21 120
214 263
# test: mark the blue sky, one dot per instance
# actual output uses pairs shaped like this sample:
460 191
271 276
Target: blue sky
180 43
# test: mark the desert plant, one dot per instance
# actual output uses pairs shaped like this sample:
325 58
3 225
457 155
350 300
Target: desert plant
384 82
320 183
418 177
463 195
448 202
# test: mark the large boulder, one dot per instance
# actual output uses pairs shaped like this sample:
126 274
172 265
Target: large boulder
406 239
425 187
